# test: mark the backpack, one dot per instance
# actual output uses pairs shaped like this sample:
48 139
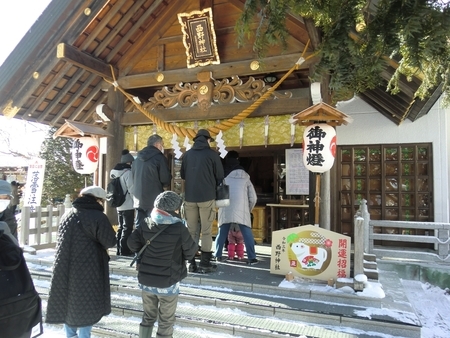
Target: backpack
20 304
114 193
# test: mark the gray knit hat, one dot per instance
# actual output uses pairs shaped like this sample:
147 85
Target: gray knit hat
126 157
168 201
5 188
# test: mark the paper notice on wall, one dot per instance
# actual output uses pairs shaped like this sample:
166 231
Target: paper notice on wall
297 176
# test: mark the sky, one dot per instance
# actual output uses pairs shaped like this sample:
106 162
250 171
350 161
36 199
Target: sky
432 303
16 18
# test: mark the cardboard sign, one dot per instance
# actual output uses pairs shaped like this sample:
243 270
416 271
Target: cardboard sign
310 252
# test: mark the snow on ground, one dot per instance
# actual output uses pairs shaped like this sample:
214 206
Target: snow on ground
432 305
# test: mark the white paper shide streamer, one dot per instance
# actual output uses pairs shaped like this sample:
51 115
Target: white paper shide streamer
221 145
176 147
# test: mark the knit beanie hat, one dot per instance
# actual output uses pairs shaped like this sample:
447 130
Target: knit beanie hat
126 157
95 191
168 201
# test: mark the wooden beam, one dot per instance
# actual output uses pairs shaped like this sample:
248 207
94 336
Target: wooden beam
101 24
313 33
146 41
225 70
218 112
89 99
133 31
205 4
75 56
161 55
124 20
50 86
62 92
68 105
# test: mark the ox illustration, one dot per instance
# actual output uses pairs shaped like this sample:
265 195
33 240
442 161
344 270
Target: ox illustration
309 257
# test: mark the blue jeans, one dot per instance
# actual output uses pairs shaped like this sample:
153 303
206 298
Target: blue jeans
83 332
246 233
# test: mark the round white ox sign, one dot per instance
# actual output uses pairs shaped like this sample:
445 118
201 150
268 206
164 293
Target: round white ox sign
319 147
85 153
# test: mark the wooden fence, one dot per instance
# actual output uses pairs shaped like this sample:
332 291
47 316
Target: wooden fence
429 232
39 227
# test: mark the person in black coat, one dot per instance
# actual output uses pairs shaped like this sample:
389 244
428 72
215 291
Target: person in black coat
202 170
151 175
6 210
80 292
162 263
20 304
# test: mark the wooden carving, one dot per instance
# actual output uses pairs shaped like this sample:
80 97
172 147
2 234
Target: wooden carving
217 92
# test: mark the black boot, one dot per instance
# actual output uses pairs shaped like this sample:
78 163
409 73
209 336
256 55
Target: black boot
205 265
192 265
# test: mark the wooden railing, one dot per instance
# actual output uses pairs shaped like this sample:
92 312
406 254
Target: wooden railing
437 234
39 228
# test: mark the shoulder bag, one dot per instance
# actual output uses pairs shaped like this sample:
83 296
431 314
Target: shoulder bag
222 195
139 254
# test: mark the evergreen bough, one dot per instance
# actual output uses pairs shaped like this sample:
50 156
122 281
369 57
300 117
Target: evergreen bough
358 37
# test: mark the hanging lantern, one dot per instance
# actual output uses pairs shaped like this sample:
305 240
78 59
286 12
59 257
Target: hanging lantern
85 153
319 147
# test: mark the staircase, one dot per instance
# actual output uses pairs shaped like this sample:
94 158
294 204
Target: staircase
246 301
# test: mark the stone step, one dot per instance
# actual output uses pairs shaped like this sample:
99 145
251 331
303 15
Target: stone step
213 310
271 310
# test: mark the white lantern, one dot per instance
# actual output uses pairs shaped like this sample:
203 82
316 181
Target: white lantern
319 147
85 153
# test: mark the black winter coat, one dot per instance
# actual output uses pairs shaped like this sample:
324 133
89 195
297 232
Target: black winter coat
151 174
163 261
202 170
79 290
8 216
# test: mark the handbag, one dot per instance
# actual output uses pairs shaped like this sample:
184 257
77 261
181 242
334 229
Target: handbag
222 195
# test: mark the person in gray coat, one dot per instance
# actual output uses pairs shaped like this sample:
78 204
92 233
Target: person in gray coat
242 201
125 212
163 263
80 292
151 176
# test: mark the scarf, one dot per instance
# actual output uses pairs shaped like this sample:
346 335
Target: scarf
163 217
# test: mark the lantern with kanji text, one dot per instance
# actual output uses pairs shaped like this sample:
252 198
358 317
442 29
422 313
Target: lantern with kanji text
85 154
319 147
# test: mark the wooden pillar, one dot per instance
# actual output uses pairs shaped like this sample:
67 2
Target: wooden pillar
115 144
325 202
317 201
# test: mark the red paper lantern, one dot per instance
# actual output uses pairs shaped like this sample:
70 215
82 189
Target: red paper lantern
319 147
85 154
